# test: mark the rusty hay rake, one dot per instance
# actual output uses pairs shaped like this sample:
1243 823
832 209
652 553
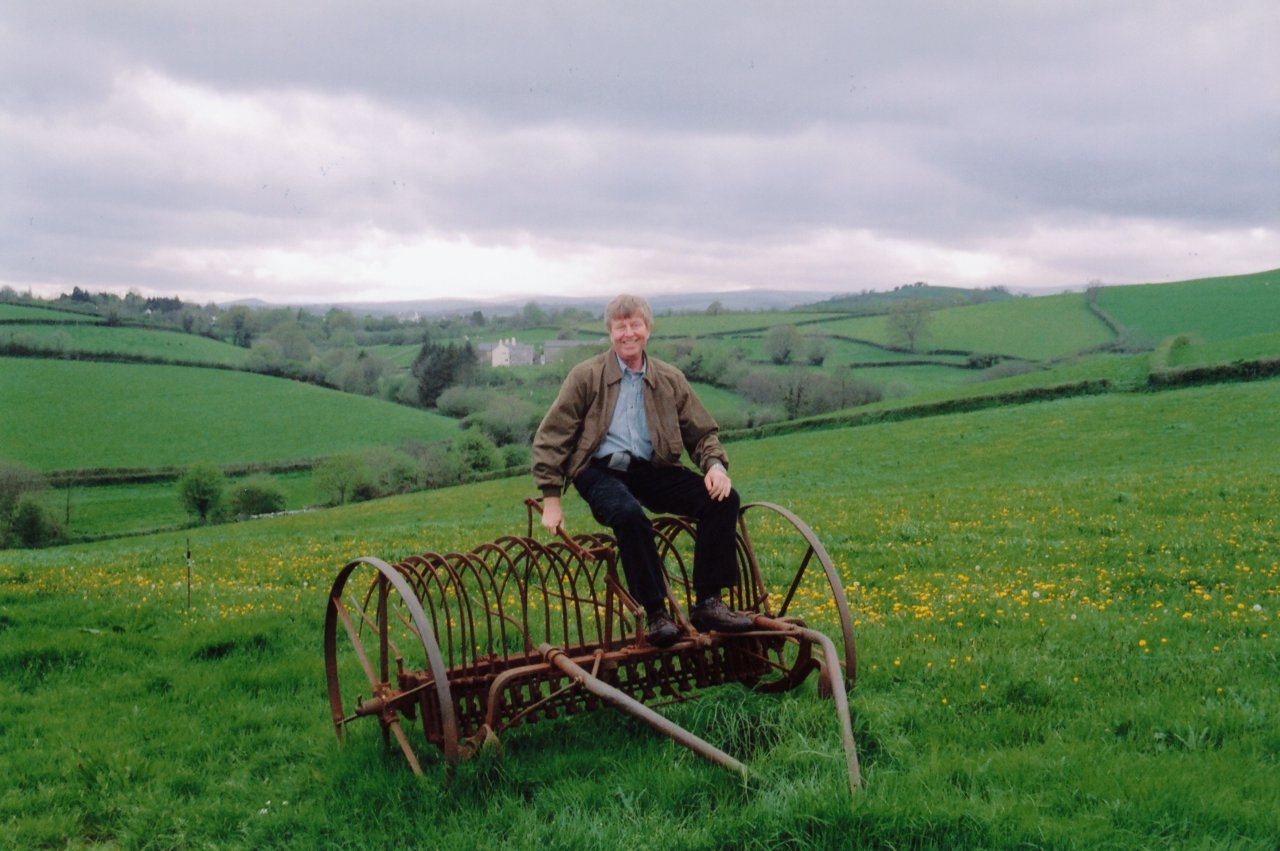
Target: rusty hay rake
473 644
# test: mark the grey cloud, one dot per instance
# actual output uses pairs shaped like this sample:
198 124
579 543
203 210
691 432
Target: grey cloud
713 130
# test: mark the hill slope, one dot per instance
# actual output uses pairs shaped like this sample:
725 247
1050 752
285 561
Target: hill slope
62 415
1213 308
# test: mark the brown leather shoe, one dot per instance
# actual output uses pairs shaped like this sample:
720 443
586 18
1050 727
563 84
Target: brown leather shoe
715 615
662 631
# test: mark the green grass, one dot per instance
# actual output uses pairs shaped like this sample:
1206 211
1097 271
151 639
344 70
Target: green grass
1215 309
1067 627
702 325
18 311
1198 352
62 415
138 342
1040 328
111 510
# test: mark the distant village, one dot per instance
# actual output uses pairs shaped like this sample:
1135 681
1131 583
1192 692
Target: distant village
510 353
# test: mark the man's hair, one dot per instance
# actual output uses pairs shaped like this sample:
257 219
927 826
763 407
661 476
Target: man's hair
628 305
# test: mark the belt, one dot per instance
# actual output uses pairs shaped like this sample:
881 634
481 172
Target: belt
620 462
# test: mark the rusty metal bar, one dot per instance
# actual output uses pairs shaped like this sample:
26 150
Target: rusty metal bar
627 704
832 671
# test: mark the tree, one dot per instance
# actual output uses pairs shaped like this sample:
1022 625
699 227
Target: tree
439 366
781 343
243 325
16 480
816 349
340 478
908 323
201 490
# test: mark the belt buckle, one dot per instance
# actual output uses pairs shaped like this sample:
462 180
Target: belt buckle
620 461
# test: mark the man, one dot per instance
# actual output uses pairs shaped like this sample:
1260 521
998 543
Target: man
616 431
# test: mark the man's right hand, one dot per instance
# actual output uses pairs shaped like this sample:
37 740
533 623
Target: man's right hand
552 514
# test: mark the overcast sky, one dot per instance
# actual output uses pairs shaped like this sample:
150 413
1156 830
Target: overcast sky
403 149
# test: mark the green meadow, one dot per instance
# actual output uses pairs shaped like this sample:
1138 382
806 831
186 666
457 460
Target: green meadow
106 342
25 313
142 415
1067 611
1215 309
1067 621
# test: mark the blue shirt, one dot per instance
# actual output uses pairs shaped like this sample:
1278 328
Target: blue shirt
629 429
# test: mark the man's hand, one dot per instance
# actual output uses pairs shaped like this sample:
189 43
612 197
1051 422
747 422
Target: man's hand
717 482
552 514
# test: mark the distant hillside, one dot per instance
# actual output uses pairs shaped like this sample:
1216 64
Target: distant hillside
936 296
65 415
660 302
1213 309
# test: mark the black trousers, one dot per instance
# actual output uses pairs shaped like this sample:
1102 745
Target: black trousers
618 499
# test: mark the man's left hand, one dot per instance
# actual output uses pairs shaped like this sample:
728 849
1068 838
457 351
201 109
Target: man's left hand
717 482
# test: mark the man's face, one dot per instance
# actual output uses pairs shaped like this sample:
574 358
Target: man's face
629 335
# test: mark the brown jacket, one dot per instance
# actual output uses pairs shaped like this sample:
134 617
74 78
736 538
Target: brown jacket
579 418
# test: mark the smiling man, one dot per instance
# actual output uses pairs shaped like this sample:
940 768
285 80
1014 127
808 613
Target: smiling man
617 431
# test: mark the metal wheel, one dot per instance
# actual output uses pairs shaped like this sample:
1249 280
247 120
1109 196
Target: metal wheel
796 581
382 659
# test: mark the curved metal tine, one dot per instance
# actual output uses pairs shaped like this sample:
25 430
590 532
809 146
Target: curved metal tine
434 585
668 529
502 570
749 569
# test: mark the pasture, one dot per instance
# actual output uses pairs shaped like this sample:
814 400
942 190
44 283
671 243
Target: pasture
1067 620
88 340
19 313
141 415
1215 309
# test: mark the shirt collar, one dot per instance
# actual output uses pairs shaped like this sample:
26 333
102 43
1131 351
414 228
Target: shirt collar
626 370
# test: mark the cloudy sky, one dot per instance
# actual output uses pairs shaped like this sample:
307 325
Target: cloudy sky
404 149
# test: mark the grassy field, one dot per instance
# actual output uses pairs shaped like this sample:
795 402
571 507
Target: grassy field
92 339
1198 352
1034 328
1067 622
1215 309
125 415
130 509
10 312
62 415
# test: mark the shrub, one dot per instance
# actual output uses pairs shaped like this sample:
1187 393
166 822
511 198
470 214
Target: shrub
257 495
392 471
515 455
200 489
476 453
461 400
506 420
33 525
440 467
343 478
